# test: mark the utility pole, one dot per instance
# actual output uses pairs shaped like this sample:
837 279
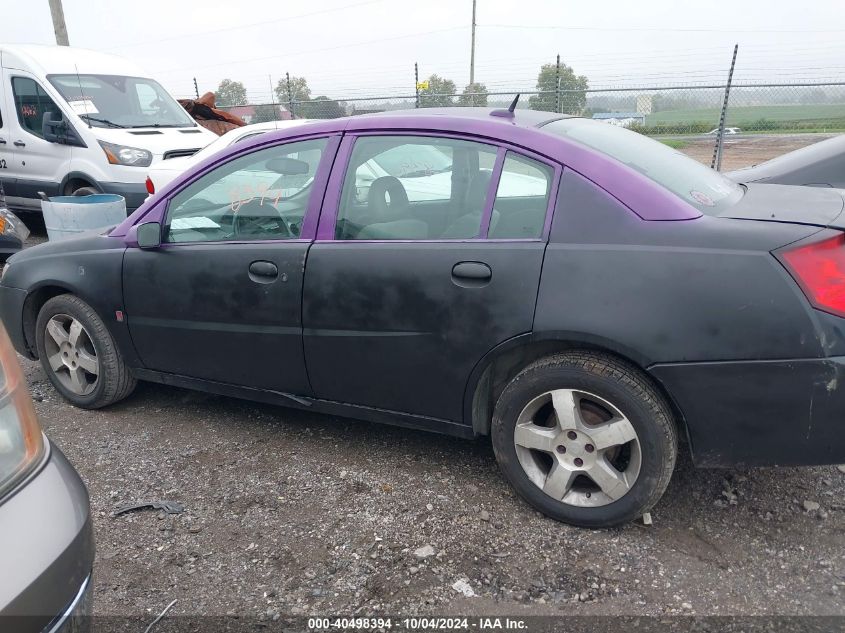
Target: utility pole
59 22
472 49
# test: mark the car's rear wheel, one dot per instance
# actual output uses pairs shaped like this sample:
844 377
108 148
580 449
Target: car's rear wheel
79 355
585 438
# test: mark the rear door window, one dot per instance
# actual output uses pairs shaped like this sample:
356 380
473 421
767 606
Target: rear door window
415 188
522 199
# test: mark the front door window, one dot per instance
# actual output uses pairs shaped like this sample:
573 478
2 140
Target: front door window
31 103
263 195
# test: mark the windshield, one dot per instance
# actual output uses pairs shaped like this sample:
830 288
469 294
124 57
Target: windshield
705 189
115 101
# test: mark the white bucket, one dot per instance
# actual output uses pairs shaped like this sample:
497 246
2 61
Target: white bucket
66 216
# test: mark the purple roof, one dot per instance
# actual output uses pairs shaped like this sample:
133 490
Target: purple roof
643 196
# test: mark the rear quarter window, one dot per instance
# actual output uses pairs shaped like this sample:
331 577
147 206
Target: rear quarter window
705 189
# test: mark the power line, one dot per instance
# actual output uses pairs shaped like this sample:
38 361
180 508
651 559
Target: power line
316 50
244 26
654 29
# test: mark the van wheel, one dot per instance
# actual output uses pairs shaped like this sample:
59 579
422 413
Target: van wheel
585 438
84 191
79 355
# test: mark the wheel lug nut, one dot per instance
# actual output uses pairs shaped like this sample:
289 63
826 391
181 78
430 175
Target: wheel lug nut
579 461
572 435
589 448
561 449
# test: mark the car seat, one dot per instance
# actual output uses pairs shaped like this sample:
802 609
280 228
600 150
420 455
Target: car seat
387 203
467 226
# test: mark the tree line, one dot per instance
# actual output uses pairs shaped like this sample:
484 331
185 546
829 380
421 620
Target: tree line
559 88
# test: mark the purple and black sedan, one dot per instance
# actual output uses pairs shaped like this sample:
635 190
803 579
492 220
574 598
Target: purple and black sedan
580 293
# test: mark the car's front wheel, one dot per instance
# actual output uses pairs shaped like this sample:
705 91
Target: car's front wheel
585 438
79 355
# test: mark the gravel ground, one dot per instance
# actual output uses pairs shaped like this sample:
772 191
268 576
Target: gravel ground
295 513
291 513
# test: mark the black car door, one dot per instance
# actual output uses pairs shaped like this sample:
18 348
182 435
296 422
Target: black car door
409 293
220 299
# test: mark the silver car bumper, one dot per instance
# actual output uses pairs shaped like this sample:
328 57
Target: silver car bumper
76 618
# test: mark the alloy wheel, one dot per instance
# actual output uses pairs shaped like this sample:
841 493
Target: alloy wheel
577 448
71 354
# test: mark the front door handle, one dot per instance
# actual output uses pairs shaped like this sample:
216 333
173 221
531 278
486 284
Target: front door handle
20 144
263 272
2 141
471 274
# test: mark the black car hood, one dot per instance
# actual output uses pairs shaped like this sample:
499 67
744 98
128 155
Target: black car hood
816 206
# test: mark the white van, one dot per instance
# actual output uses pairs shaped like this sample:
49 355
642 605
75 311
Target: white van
79 121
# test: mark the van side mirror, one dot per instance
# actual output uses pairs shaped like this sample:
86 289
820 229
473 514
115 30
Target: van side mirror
149 235
55 129
52 128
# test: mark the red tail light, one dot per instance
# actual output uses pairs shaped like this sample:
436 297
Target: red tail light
151 188
819 268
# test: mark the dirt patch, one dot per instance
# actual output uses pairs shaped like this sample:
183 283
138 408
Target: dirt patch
748 149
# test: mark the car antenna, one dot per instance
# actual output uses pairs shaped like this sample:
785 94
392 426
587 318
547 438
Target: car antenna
508 114
84 100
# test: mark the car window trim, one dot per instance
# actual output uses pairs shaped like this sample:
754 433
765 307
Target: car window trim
331 202
161 212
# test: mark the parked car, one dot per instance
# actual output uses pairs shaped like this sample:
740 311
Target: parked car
821 164
74 121
638 296
13 232
728 131
165 171
46 540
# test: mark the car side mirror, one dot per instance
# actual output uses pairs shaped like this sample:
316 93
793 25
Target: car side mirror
149 235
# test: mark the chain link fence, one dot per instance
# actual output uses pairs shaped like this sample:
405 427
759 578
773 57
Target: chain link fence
680 115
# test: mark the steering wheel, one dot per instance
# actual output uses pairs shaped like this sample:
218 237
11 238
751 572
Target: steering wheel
252 220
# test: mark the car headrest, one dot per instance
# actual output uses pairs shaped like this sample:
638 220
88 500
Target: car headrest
477 192
387 198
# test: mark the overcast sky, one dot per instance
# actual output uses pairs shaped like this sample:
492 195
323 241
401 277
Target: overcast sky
348 48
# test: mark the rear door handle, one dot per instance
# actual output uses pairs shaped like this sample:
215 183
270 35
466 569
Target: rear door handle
263 272
2 141
471 273
20 144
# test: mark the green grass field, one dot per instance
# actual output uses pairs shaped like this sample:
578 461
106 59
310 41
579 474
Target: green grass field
782 114
674 143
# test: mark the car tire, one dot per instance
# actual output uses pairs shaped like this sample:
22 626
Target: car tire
84 191
79 354
570 408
